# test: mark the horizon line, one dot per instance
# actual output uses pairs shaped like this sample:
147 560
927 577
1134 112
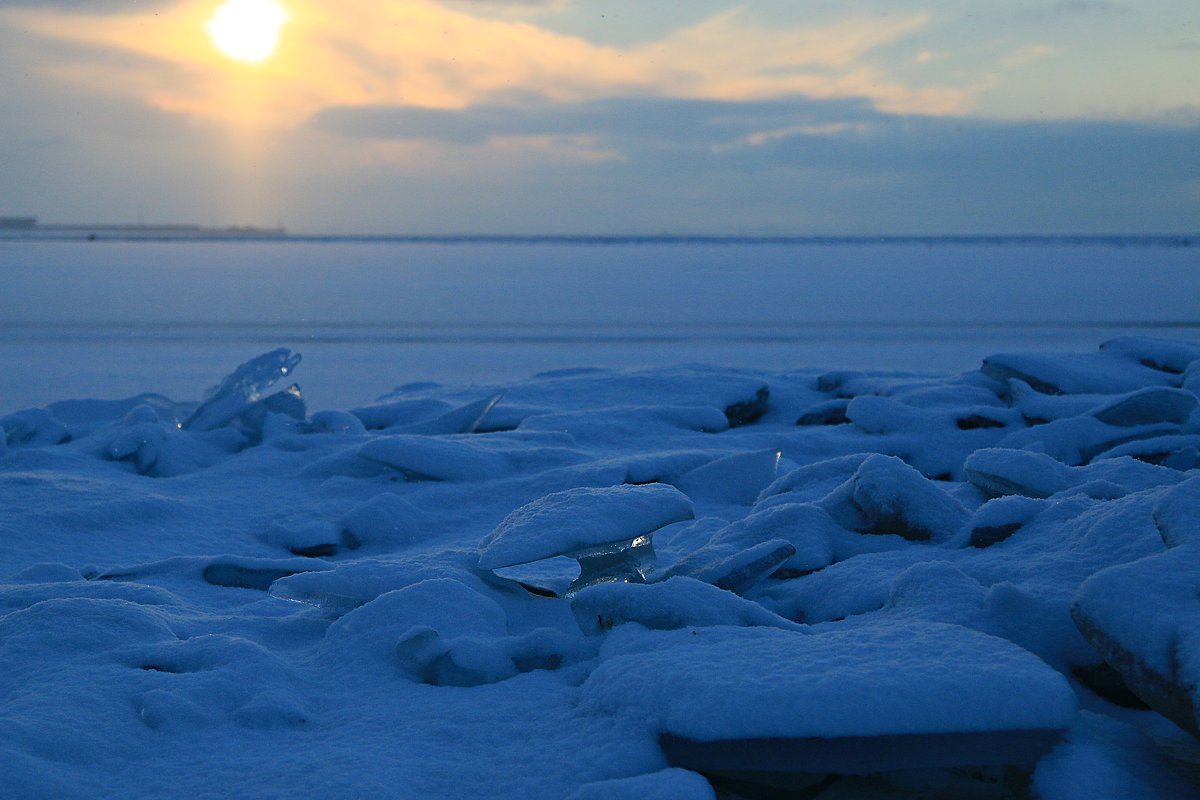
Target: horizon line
191 232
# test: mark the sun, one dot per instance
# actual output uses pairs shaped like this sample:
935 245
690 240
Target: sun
247 30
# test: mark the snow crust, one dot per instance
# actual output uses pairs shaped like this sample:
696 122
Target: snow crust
235 591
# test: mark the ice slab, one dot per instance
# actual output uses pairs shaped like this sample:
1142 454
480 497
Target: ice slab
678 602
576 520
1075 373
468 458
1177 514
887 496
863 682
1179 452
1078 440
242 387
1168 355
1144 618
1003 471
1148 406
464 419
734 479
807 528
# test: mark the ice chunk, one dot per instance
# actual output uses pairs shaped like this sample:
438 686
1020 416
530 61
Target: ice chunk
662 467
882 415
347 586
845 700
34 427
1144 618
600 425
1038 408
831 412
385 520
1148 406
467 458
242 387
447 606
578 519
812 481
1000 518
999 471
401 412
857 585
678 602
736 479
464 419
885 495
1078 440
608 530
805 527
1177 514
741 569
1075 373
1180 452
254 418
1168 355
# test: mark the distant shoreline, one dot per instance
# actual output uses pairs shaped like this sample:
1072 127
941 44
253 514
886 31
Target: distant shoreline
194 233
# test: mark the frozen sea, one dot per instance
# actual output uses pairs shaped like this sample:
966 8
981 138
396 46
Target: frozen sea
751 579
94 319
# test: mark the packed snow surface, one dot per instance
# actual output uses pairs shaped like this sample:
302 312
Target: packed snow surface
568 585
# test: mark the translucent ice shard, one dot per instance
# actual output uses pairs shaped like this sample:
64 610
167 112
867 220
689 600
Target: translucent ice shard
607 530
629 561
245 385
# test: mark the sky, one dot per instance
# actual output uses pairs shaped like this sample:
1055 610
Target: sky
764 117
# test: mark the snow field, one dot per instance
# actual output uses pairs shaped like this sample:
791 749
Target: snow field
685 582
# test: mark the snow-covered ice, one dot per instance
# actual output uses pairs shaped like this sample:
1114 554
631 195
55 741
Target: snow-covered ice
685 582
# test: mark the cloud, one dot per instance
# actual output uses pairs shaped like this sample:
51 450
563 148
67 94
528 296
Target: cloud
665 121
861 171
789 165
425 54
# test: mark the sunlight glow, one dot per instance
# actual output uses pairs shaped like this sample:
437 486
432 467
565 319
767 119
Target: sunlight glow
247 30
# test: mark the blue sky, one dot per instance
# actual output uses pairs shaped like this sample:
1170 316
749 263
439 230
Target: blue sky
596 116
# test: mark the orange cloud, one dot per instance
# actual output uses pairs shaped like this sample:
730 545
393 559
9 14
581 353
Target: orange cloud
417 52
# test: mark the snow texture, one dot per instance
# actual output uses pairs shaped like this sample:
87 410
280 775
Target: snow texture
533 589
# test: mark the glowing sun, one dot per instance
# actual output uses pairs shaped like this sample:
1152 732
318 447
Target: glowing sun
247 30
